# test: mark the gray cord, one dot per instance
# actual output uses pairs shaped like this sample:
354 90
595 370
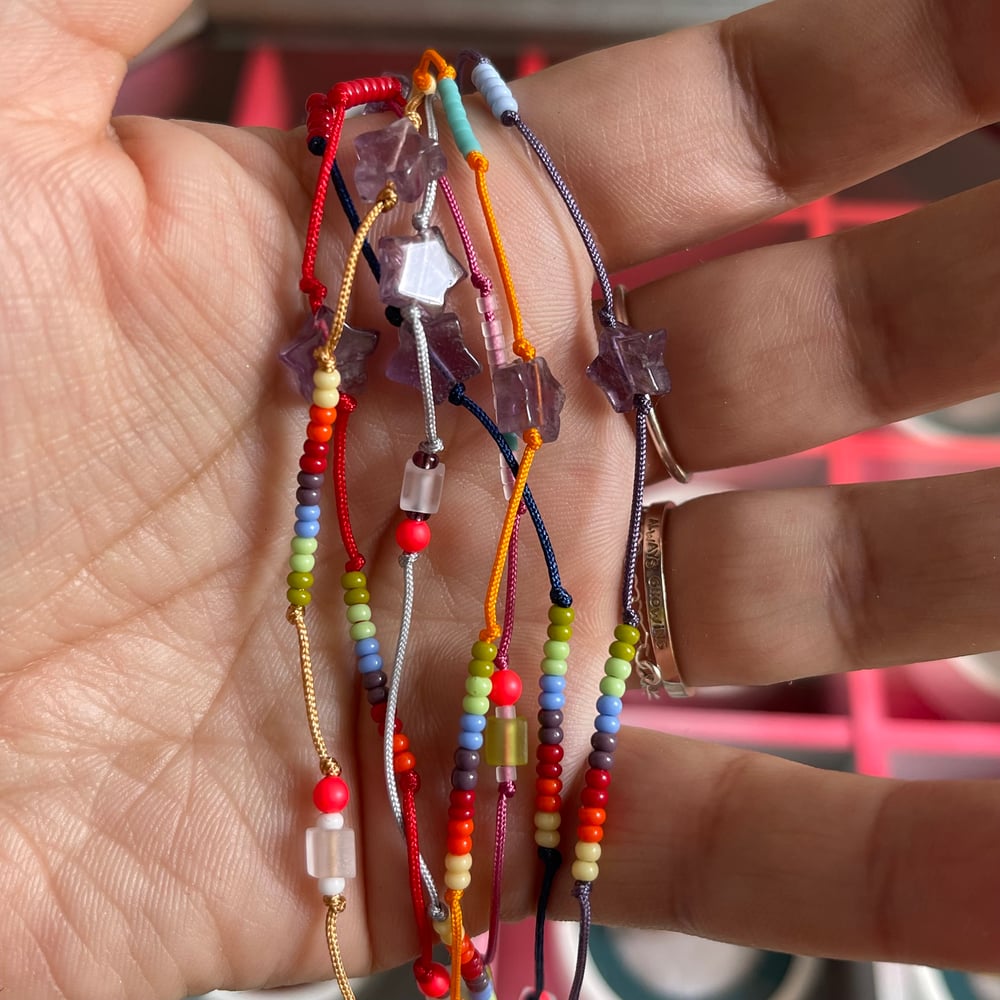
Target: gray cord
423 218
433 444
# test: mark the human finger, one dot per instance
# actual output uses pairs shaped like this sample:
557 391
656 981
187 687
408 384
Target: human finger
773 585
674 139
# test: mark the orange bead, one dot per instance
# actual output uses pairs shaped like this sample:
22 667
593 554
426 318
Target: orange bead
590 834
322 415
592 817
548 803
318 432
459 846
400 742
462 828
403 762
468 950
548 786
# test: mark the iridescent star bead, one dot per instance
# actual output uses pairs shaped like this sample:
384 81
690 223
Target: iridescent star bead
451 361
397 153
528 395
629 363
417 269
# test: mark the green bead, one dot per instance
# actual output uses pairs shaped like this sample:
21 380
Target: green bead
626 633
362 630
352 581
358 613
475 704
555 668
478 687
622 650
302 563
555 650
614 667
300 581
484 650
300 598
506 742
561 633
357 595
513 441
481 668
612 686
305 545
561 616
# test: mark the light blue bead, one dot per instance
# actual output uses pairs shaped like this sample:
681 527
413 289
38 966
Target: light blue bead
365 647
369 664
607 724
470 741
552 682
551 701
608 704
484 994
472 723
307 512
307 529
495 91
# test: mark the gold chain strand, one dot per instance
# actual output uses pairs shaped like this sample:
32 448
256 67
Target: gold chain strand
328 764
387 200
335 905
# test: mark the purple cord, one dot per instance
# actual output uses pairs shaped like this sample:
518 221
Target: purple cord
643 404
582 892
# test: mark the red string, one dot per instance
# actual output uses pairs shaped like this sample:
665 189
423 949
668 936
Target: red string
408 784
346 406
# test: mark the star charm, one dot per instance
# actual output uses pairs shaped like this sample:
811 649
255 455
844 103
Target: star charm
417 269
451 361
528 395
397 153
629 363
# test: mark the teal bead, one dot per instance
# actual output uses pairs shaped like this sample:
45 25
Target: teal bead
615 667
555 650
612 686
554 668
458 120
484 650
300 562
362 630
307 546
478 687
475 704
358 613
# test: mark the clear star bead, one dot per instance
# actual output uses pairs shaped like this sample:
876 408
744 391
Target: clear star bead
528 395
397 153
417 269
629 363
451 361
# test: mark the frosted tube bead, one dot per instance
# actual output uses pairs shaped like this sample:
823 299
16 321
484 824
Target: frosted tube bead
331 821
331 886
506 742
422 488
330 853
506 773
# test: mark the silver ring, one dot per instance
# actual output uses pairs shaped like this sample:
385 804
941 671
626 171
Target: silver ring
656 434
656 662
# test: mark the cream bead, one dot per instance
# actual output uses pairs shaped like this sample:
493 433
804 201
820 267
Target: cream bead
585 871
443 930
458 880
457 862
547 821
586 851
547 838
323 379
326 399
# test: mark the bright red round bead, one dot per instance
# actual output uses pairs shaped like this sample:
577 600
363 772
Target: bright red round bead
459 846
597 778
312 464
413 536
403 762
331 794
549 770
461 797
506 688
549 753
594 798
433 981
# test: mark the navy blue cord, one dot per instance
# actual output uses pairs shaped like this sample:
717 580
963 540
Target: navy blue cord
558 594
353 218
551 860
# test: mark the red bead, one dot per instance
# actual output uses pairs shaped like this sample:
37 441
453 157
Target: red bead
460 797
378 713
549 770
597 778
312 464
548 803
318 448
400 742
460 813
459 846
469 952
461 828
413 536
590 834
331 794
404 762
506 688
318 432
322 415
433 981
472 969
594 798
548 786
592 817
549 753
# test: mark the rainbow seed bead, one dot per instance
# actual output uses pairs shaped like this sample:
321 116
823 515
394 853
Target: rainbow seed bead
366 646
604 742
551 701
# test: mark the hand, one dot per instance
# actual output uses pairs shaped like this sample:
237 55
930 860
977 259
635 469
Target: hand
156 762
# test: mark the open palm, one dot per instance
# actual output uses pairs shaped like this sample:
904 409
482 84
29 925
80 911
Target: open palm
156 764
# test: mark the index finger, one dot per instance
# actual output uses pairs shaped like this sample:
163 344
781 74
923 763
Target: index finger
676 139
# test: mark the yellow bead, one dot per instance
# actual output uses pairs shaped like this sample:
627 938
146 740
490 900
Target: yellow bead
457 862
443 930
323 379
326 399
588 852
547 821
547 838
506 742
459 880
585 871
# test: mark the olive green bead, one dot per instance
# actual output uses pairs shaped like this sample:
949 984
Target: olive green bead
357 595
300 562
478 687
358 613
622 651
305 545
555 650
555 668
561 616
612 686
484 650
352 581
481 668
300 581
475 704
614 667
561 633
362 630
626 633
300 598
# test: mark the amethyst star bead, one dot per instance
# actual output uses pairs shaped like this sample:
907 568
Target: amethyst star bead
417 269
527 395
629 363
397 153
451 361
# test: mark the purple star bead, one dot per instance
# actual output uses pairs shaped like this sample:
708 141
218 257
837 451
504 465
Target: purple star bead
417 269
528 395
451 361
397 153
629 363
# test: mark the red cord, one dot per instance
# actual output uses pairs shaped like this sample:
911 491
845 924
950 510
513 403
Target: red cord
346 406
409 782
